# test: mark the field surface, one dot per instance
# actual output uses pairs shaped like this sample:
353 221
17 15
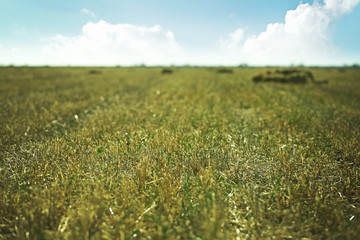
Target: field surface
132 153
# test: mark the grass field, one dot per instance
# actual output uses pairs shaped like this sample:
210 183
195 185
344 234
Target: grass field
131 153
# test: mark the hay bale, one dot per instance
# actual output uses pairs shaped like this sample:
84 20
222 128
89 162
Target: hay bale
93 71
224 70
285 76
277 79
309 75
167 71
287 71
297 79
258 78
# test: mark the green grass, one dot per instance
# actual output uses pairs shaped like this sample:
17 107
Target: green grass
131 153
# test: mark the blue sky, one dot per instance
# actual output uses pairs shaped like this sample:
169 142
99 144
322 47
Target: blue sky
211 32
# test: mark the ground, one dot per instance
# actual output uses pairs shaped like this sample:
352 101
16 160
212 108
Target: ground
196 153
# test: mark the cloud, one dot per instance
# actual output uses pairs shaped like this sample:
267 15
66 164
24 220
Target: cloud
103 43
304 37
340 7
10 55
88 12
233 39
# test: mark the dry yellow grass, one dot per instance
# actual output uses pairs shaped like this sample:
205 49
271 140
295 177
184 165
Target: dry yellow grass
131 153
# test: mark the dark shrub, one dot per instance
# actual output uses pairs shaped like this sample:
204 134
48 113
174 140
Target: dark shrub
297 79
167 71
258 78
224 70
309 75
287 71
93 71
285 76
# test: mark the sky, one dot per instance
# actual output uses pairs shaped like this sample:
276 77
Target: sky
165 32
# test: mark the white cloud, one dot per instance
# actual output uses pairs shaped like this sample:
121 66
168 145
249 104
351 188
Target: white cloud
339 7
88 12
103 43
304 37
233 39
10 55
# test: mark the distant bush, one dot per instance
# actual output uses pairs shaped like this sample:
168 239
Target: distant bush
285 76
93 71
258 78
167 71
224 70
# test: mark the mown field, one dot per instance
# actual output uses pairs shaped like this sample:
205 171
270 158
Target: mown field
131 153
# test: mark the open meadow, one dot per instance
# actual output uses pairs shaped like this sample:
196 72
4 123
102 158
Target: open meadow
188 153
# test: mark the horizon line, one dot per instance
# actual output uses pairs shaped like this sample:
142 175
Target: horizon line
354 65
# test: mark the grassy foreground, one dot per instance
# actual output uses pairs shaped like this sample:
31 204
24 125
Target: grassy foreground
130 153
